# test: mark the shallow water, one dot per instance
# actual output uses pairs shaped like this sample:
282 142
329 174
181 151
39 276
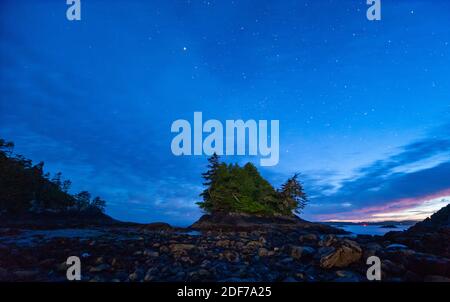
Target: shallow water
31 237
192 233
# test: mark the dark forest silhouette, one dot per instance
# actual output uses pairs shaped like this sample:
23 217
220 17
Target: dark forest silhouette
25 187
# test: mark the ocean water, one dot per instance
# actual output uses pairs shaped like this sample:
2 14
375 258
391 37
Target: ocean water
371 229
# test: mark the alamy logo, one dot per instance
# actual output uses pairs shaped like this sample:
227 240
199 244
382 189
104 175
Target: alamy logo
374 11
74 10
74 270
249 136
374 271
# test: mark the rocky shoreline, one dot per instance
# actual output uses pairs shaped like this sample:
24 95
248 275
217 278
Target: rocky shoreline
158 252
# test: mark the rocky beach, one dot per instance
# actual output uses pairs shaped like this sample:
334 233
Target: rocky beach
225 248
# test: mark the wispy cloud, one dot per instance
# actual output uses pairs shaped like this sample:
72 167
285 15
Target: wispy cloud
394 187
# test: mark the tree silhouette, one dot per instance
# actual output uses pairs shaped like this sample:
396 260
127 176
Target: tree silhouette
99 204
25 187
292 194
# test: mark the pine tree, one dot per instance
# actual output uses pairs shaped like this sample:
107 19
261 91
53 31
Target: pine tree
292 195
210 178
210 175
83 200
98 204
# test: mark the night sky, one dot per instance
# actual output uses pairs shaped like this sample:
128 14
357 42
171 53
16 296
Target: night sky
364 106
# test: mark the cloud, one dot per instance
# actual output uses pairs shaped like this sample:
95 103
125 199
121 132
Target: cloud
404 209
419 172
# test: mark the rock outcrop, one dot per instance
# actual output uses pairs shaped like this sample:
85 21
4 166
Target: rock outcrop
438 221
244 222
429 236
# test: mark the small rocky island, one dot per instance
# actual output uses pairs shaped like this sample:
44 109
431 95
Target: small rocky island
249 233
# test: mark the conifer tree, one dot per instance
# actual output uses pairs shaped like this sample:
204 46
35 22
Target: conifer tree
210 177
292 195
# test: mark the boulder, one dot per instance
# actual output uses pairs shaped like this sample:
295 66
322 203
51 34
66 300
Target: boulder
347 276
391 268
345 253
263 252
135 276
298 252
328 240
99 268
223 243
231 256
180 247
372 249
308 238
150 253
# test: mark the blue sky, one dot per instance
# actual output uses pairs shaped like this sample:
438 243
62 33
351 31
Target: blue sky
363 106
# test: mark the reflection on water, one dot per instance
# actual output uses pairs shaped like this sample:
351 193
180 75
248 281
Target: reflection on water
371 229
